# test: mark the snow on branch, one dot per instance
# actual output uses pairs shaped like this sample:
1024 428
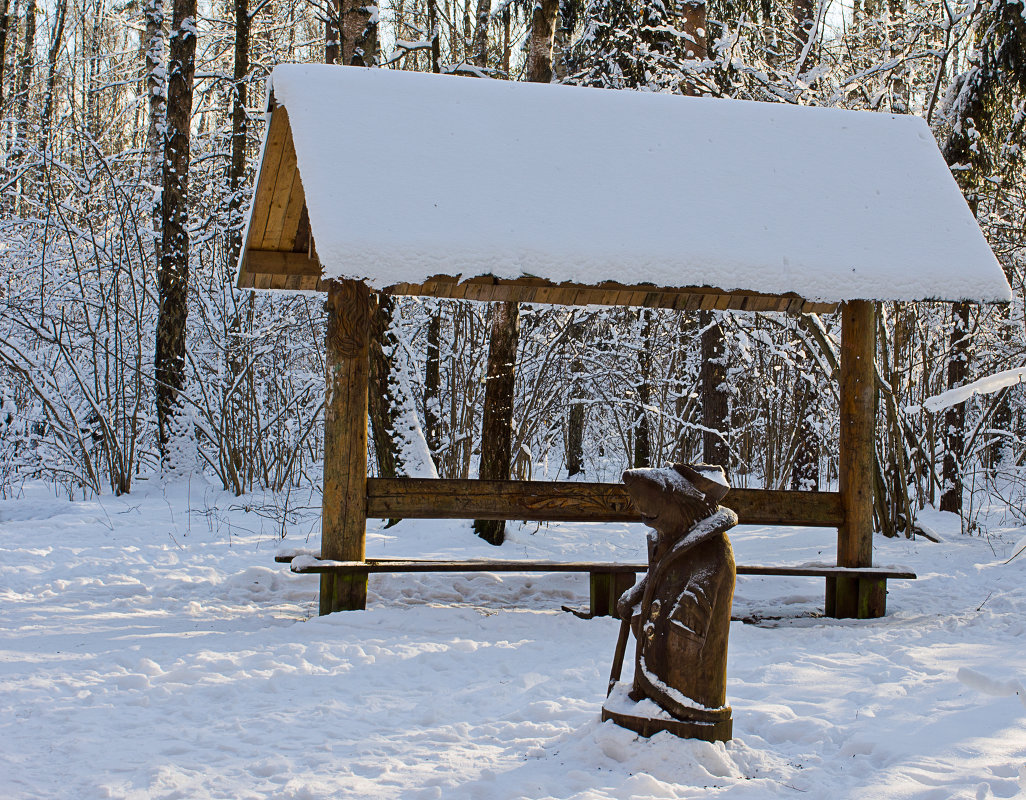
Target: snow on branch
985 385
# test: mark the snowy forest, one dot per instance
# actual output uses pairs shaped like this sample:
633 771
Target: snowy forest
129 137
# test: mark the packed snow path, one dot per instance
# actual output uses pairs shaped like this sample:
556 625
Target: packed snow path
150 648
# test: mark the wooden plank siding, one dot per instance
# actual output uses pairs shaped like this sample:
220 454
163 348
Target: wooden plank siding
554 501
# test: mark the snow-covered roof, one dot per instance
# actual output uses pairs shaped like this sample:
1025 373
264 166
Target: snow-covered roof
405 176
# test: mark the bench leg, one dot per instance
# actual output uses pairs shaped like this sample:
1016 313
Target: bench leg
606 589
872 597
343 592
855 598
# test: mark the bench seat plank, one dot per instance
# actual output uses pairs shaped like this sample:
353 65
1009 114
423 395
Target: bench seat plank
308 564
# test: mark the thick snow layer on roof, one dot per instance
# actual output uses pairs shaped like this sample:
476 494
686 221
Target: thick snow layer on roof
409 175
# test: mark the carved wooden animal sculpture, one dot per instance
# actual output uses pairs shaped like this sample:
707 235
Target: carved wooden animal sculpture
680 610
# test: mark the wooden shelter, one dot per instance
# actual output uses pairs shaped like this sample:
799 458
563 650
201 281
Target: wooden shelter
370 182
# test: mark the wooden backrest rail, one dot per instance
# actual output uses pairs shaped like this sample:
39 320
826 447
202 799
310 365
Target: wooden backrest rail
565 501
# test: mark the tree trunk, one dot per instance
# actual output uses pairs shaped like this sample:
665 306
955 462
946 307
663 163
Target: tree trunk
433 384
480 43
237 166
156 93
92 85
804 13
27 60
575 414
564 36
436 45
382 396
543 31
331 34
1001 422
954 416
715 408
5 23
805 468
359 33
497 425
642 432
45 121
238 347
173 276
506 48
21 98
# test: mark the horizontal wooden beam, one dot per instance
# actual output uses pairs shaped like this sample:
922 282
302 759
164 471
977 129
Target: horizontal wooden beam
281 263
265 269
426 498
382 565
608 293
275 269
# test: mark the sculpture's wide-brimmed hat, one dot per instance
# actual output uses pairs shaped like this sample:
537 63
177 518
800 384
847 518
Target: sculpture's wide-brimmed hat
709 479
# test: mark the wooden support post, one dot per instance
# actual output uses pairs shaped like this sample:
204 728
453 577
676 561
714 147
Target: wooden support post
600 583
606 590
344 505
858 428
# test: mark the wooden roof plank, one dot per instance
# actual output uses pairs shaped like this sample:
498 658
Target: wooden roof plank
268 175
282 194
293 215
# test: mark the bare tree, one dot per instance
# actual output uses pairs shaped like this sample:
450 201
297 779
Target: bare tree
497 424
173 275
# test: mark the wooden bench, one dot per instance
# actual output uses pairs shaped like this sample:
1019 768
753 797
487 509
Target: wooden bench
608 580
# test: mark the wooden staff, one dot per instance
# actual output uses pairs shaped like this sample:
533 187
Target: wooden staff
621 649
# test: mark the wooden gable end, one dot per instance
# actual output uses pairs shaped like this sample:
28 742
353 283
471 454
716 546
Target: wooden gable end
279 248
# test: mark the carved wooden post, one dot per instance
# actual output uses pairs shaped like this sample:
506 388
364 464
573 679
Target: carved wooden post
344 506
853 597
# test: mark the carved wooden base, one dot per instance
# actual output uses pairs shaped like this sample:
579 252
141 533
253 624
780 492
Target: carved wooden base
715 726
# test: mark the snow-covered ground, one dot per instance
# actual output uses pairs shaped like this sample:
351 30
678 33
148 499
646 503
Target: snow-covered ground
150 648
